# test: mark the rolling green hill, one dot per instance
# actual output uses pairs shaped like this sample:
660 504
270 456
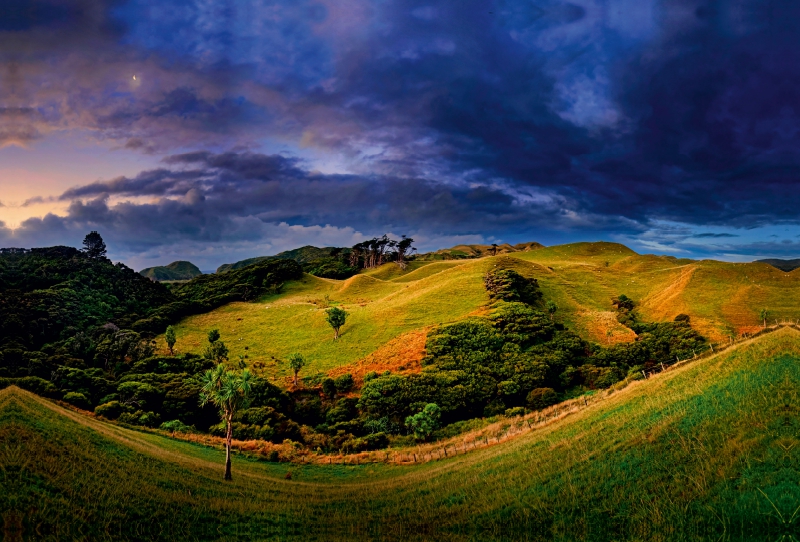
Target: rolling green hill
392 309
175 271
704 451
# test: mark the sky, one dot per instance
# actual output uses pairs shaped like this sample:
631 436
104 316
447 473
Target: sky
218 130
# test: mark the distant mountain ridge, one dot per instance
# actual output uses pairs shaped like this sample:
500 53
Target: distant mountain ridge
180 270
783 265
301 255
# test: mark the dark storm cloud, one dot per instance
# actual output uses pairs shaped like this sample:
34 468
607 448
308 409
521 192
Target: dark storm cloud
219 189
455 116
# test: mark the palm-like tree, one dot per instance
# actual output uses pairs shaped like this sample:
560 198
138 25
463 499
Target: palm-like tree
227 390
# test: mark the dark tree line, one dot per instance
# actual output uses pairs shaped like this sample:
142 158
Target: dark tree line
379 250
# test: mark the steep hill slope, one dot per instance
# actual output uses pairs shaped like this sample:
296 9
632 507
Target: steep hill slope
179 270
707 449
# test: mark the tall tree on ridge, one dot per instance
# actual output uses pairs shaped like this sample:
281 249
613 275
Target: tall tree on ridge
94 246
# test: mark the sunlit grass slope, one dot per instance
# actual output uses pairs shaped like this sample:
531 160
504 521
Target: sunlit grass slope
720 297
709 447
582 278
380 309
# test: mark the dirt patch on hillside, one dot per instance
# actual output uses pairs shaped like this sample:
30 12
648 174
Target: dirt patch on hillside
603 328
401 355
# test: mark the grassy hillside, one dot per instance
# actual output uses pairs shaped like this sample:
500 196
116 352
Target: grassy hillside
381 309
175 271
391 307
460 252
706 450
300 255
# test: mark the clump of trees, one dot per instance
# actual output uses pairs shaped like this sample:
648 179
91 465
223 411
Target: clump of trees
379 250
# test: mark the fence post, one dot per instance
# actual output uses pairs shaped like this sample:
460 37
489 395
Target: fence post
662 367
645 375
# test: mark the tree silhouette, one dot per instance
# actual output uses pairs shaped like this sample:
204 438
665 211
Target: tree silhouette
94 246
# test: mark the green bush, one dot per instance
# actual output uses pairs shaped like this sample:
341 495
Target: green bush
177 426
542 398
111 410
140 417
424 423
77 399
508 285
329 388
344 383
374 441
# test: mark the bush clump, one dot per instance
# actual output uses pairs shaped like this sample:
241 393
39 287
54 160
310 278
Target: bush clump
77 399
344 383
542 398
508 285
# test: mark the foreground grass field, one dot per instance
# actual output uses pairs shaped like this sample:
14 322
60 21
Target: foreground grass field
707 450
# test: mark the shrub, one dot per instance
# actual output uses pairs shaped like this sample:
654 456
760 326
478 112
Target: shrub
508 285
683 318
542 398
344 383
147 419
424 423
515 411
374 441
372 375
176 426
111 410
329 388
77 399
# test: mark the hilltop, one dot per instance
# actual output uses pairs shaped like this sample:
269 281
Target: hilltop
459 252
705 450
180 270
302 255
783 265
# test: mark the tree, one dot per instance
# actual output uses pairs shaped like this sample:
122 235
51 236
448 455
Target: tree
403 248
336 317
494 249
424 423
216 350
93 246
228 391
764 314
296 362
170 338
551 309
